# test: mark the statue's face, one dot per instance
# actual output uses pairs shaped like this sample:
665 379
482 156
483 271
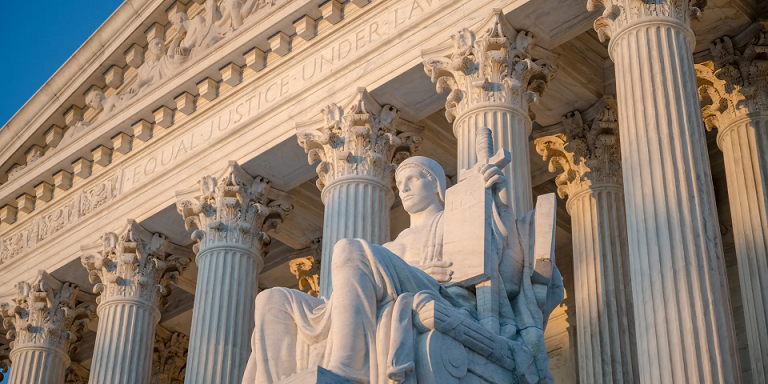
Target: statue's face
156 48
418 191
94 100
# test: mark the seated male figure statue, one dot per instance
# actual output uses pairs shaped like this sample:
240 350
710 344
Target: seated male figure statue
360 331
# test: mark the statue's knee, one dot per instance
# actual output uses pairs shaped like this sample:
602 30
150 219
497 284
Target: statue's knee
269 298
346 252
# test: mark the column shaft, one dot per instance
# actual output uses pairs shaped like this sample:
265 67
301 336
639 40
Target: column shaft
510 128
683 316
232 213
124 342
34 365
745 149
356 207
605 326
222 322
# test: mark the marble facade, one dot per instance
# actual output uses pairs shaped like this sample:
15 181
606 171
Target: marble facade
194 154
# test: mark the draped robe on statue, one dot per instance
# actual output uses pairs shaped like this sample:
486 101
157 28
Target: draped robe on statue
364 332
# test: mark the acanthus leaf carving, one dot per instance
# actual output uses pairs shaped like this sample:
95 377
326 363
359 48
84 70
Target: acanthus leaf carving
169 357
618 13
734 83
234 208
307 269
363 139
76 374
587 154
134 264
496 66
46 313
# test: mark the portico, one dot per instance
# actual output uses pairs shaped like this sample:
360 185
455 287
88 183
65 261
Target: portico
223 130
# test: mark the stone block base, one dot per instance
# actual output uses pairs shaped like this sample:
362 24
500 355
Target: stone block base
317 375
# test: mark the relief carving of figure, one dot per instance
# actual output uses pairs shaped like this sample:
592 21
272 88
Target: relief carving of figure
365 331
199 33
97 101
157 67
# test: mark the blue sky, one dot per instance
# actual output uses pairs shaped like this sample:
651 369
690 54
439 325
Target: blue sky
38 37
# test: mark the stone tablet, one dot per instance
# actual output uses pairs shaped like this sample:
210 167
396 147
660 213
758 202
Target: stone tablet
468 231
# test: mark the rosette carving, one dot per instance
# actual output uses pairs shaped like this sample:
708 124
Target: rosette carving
733 83
587 154
365 139
233 209
495 66
618 13
134 264
169 357
46 313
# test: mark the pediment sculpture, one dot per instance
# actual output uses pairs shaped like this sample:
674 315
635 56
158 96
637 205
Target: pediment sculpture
462 295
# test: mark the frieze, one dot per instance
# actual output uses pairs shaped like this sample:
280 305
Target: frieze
58 217
329 57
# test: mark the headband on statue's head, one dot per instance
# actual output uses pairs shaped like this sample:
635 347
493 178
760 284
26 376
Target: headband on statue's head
429 166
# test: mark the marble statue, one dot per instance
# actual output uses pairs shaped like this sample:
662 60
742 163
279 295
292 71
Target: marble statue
368 330
157 67
191 32
98 102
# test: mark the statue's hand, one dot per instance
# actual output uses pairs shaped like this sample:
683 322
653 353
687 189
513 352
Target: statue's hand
492 175
439 269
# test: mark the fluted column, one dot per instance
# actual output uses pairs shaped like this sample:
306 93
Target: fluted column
358 149
493 79
45 322
591 179
683 317
734 95
132 271
232 213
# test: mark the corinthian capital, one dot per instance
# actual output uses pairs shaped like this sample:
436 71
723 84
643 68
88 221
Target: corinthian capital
46 313
587 154
134 264
618 13
734 83
363 139
233 209
169 357
5 359
76 374
496 65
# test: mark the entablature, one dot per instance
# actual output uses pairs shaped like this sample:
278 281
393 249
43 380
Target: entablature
253 118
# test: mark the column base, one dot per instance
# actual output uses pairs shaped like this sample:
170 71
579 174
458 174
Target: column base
317 375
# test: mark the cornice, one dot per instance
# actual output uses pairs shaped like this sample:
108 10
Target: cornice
230 49
271 124
87 63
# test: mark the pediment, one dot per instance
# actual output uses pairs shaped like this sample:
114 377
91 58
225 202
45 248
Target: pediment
141 46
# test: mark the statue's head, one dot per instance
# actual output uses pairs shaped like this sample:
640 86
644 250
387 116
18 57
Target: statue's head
177 19
95 100
421 182
157 48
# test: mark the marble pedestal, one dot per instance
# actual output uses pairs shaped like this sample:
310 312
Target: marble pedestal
317 375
